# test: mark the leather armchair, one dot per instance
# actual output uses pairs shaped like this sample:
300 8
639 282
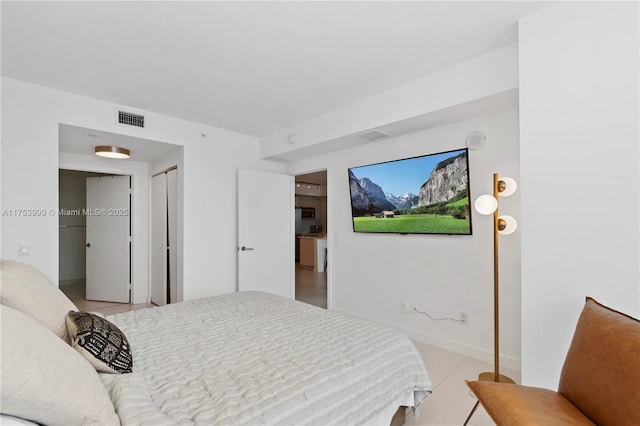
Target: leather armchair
599 382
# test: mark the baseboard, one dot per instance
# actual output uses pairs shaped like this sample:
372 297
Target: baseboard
70 282
457 347
466 350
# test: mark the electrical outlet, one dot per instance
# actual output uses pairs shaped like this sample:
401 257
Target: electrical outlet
406 307
464 319
24 249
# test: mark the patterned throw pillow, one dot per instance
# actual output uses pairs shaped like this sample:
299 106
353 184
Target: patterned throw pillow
100 342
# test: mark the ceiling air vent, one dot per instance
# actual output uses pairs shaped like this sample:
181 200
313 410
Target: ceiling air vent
130 119
373 135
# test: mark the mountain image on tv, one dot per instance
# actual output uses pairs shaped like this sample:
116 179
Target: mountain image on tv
423 195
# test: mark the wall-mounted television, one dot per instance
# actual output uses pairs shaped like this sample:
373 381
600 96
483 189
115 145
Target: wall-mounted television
428 194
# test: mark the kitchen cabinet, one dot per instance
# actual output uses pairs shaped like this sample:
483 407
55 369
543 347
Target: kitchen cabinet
313 249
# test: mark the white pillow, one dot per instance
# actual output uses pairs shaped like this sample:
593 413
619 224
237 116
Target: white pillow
45 380
28 290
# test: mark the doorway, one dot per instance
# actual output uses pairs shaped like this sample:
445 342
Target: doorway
86 276
311 253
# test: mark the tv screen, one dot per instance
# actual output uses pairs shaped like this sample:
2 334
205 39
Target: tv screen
420 195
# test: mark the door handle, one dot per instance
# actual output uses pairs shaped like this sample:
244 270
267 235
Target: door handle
243 248
88 244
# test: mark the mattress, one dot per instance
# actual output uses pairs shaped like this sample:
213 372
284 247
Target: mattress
254 358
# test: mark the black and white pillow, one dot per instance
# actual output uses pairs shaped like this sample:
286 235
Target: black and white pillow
100 342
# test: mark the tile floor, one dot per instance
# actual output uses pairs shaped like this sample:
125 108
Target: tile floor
311 287
448 405
75 290
451 401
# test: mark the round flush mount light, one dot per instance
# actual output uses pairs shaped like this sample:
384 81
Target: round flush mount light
476 140
112 152
292 138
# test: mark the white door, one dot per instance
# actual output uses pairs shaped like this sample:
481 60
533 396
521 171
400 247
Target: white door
159 239
265 232
108 213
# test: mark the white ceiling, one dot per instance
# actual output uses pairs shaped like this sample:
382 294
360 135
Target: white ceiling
249 67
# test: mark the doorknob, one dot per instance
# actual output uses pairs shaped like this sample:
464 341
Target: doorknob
243 248
88 244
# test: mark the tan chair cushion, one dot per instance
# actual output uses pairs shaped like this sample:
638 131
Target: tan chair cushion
516 405
28 290
601 373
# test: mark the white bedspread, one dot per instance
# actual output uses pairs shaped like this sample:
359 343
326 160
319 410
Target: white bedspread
254 358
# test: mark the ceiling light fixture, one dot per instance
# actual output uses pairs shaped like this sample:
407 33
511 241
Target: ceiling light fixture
112 152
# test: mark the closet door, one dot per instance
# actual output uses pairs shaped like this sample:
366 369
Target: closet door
159 236
172 229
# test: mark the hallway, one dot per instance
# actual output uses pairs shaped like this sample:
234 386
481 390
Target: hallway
311 287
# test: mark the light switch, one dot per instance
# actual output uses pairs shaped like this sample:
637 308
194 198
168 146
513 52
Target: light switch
24 249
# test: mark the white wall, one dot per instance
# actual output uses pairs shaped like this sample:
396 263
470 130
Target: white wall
370 274
579 165
29 176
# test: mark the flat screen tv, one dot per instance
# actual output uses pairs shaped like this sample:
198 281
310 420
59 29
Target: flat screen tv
420 195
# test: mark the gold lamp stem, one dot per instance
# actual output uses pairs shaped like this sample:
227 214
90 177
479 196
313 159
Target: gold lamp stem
496 287
495 376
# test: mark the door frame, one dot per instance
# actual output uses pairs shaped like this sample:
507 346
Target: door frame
328 231
139 263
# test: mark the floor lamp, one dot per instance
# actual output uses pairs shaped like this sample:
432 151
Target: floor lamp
487 204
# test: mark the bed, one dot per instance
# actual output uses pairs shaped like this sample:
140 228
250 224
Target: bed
245 358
